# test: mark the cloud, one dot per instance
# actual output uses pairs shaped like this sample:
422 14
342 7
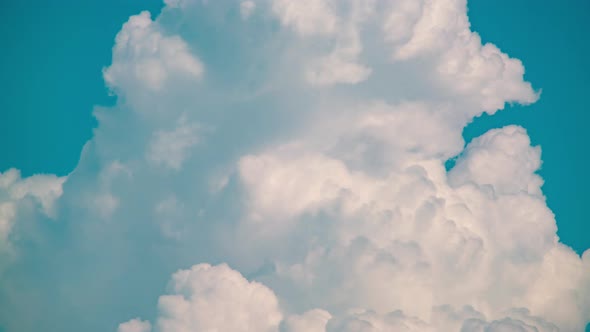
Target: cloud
135 325
502 158
338 67
311 321
247 8
466 320
307 17
142 54
171 148
463 64
21 196
207 298
305 147
410 240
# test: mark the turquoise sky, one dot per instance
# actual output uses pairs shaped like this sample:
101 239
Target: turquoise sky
551 38
51 62
54 53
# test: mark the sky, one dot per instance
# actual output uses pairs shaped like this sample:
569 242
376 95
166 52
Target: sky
52 61
213 129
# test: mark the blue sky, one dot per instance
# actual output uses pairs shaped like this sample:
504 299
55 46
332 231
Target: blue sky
169 189
52 61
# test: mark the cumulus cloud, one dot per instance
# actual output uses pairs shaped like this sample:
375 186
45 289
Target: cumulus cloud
307 17
214 298
465 320
143 54
135 325
475 71
22 196
298 158
311 321
503 159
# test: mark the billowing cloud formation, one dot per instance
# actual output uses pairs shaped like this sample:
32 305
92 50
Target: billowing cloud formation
298 158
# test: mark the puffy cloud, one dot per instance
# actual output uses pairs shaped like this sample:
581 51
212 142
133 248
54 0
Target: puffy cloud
410 240
319 18
502 158
45 189
215 298
311 159
144 55
370 321
465 66
466 320
283 187
307 17
311 321
342 65
135 325
22 196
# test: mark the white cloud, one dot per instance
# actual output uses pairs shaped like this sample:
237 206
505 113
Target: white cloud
411 241
322 184
46 189
16 194
475 71
283 187
216 298
502 158
144 56
319 18
311 321
135 325
465 320
307 17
